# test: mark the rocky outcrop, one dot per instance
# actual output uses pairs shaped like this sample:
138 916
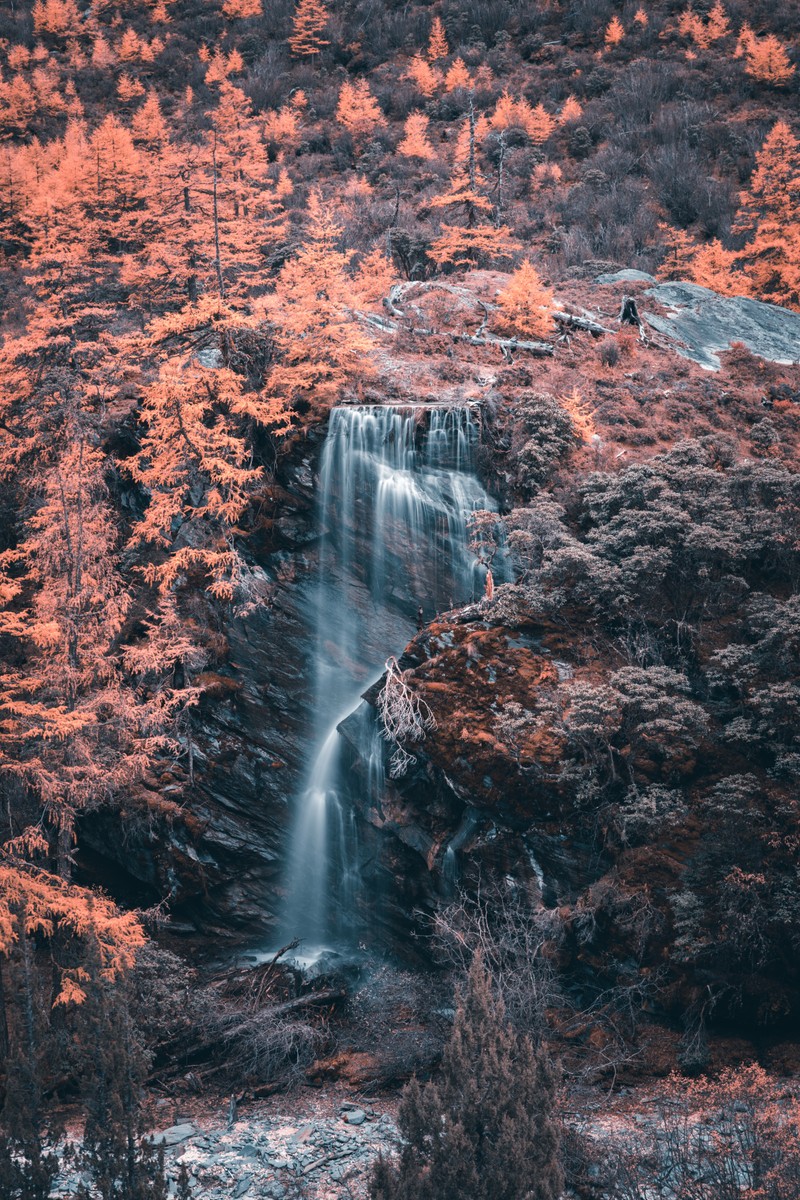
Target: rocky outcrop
484 795
278 1149
700 324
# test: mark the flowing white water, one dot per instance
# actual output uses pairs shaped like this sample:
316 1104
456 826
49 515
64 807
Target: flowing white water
397 486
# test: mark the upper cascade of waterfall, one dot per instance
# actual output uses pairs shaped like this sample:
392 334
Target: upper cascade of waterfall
404 478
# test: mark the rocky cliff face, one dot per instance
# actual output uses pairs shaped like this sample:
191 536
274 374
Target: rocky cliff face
218 859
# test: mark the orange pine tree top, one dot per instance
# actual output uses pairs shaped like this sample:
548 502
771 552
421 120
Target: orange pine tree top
614 34
308 26
437 43
525 304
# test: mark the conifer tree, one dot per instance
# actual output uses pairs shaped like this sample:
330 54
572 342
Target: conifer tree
768 218
614 34
476 239
426 77
68 726
358 110
309 24
27 1163
241 10
373 278
320 347
196 466
457 76
416 143
437 43
718 25
714 267
766 59
571 110
486 1128
525 304
113 1063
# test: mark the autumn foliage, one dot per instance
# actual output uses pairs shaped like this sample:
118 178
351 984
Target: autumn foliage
203 210
525 304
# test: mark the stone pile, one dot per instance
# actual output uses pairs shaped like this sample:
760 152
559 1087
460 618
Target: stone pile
272 1154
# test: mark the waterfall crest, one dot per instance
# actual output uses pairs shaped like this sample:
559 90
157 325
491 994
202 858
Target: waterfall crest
397 486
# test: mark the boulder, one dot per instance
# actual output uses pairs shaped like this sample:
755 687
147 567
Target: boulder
174 1135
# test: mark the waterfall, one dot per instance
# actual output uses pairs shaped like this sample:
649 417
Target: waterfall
397 486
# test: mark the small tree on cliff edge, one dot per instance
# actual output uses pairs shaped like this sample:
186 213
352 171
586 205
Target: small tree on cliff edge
486 1128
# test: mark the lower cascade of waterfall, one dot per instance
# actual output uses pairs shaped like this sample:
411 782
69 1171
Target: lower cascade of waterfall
397 487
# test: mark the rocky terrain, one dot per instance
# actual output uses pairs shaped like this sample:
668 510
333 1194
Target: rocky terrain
315 1149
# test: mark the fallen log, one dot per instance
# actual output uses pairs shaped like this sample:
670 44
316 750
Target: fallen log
326 1158
507 345
586 323
309 1000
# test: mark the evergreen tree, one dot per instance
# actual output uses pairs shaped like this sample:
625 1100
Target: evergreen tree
526 304
437 44
768 219
27 1164
320 348
123 1165
486 1128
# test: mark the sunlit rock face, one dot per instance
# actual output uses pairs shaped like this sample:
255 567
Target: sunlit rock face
700 324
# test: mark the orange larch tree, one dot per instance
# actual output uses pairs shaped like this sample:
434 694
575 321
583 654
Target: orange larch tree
320 346
570 110
69 737
535 121
415 142
196 467
246 214
714 267
310 22
427 78
437 43
525 304
476 239
767 60
242 10
57 18
34 903
213 206
745 41
679 250
457 76
614 34
373 278
718 25
358 110
768 219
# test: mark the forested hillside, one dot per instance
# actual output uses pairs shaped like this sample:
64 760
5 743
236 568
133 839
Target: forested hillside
541 261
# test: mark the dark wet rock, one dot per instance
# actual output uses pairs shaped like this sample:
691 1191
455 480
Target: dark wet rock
214 850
